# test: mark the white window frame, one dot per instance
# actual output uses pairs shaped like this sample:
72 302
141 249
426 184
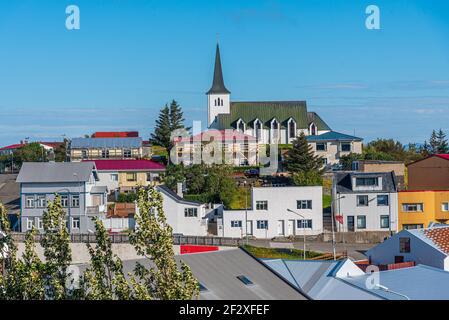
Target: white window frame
445 206
302 224
304 204
236 224
240 121
262 224
30 198
341 146
360 196
40 224
419 207
65 200
30 223
321 143
39 199
76 226
289 131
73 198
114 177
262 205
191 212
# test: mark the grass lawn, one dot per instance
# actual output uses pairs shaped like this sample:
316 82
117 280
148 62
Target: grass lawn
277 253
327 199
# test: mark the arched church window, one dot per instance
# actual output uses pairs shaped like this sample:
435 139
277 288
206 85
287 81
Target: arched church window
292 129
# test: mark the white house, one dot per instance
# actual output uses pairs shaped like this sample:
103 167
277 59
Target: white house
276 212
365 201
186 217
422 246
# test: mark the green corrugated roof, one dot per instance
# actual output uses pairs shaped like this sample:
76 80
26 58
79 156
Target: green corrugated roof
267 111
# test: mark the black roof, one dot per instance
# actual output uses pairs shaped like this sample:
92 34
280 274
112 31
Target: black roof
343 181
218 85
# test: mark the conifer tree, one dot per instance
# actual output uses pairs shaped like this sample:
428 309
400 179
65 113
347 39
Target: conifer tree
433 143
301 157
162 131
443 146
176 116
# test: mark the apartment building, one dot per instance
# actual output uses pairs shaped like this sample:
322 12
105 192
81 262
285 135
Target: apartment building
105 148
78 186
276 212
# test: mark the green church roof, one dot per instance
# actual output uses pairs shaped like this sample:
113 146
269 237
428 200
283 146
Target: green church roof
266 111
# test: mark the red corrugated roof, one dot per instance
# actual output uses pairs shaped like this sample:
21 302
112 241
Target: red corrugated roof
117 134
20 145
121 165
13 146
223 135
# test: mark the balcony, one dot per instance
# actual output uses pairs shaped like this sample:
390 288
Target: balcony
96 210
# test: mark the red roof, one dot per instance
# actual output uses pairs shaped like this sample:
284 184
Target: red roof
439 236
223 135
444 156
118 134
122 165
13 147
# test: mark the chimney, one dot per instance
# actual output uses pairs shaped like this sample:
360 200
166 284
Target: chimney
179 189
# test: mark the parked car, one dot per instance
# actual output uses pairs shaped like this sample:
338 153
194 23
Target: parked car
252 173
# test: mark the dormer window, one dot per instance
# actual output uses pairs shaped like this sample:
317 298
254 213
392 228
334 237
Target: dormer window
367 182
274 131
241 126
313 129
291 128
258 129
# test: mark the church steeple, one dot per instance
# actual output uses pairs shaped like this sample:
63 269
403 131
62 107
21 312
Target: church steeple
218 86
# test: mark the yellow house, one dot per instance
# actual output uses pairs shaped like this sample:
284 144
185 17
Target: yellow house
417 209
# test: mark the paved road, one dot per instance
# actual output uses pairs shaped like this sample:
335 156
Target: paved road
355 251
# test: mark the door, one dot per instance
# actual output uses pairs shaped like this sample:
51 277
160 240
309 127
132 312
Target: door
351 224
398 259
250 228
281 228
291 228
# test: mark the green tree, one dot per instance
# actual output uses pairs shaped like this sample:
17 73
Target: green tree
347 160
162 131
31 152
55 242
176 116
153 239
442 146
301 157
433 142
104 279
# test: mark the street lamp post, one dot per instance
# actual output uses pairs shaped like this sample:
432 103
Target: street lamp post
333 227
246 212
303 228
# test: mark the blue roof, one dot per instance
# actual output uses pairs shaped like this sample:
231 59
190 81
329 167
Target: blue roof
333 136
316 278
417 283
100 143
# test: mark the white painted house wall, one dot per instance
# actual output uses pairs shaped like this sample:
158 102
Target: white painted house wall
421 252
347 206
106 180
189 226
279 199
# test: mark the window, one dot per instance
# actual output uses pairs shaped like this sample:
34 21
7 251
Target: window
30 223
131 177
366 182
324 161
412 207
29 202
65 201
382 200
361 222
241 126
304 204
114 177
258 129
75 223
262 224
321 147
236 224
76 201
384 222
149 177
105 153
40 224
245 280
127 153
84 154
412 226
190 212
304 224
292 129
345 147
202 287
41 201
445 206
262 205
404 245
362 201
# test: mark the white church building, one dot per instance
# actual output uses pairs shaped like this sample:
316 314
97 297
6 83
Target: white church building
267 121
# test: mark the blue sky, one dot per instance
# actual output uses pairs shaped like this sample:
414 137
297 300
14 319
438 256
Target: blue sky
131 57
